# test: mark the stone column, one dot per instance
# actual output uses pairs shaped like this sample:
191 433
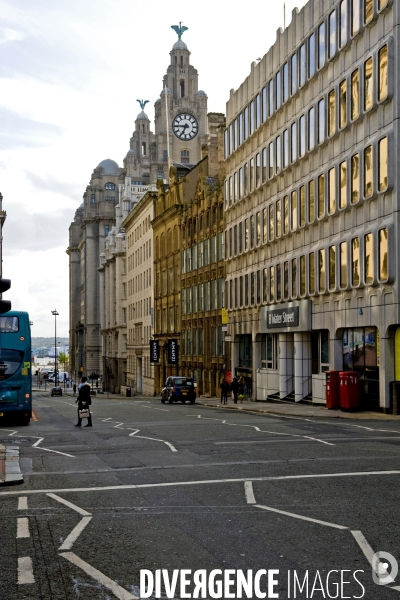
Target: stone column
285 344
302 365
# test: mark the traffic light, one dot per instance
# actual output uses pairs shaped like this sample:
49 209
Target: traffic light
5 305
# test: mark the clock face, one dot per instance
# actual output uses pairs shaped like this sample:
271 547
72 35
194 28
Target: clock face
185 126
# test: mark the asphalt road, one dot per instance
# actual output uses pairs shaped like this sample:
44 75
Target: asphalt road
153 486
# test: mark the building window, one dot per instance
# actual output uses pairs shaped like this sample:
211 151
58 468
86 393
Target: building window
271 222
258 111
252 231
285 148
271 160
321 45
264 104
302 135
332 34
252 291
106 230
293 62
185 157
368 171
332 267
332 191
294 278
278 152
383 164
355 179
293 212
241 183
258 229
269 351
311 55
278 282
251 117
110 186
286 215
321 121
302 275
343 23
321 196
383 254
302 206
355 16
320 351
246 178
246 123
302 64
368 84
355 261
342 104
258 173
311 273
311 128
383 74
246 290
285 82
264 165
311 201
368 10
331 113
93 198
285 280
278 218
271 285
343 185
251 175
321 271
271 97
369 263
343 264
258 284
355 95
278 90
246 235
294 141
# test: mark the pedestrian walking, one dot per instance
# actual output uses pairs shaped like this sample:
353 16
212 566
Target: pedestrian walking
84 401
74 388
224 391
235 389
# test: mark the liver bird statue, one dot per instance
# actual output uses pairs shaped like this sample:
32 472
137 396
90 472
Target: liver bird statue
142 103
180 29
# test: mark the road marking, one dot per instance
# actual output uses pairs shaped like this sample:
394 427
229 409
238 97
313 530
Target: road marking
117 590
289 514
23 527
204 482
369 555
56 451
133 434
25 570
164 409
317 440
119 425
23 503
38 442
79 510
75 533
249 493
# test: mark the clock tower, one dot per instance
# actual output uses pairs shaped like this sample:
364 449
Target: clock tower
180 112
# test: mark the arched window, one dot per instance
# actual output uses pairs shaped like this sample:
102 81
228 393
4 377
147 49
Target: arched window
182 87
93 198
169 241
221 212
143 148
185 157
162 245
110 186
157 247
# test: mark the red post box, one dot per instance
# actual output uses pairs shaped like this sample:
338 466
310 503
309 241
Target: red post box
332 389
349 390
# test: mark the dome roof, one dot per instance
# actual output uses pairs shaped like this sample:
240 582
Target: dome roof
179 45
142 115
110 167
201 93
168 91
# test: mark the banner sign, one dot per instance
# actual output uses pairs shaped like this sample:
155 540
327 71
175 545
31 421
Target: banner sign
154 351
173 352
283 317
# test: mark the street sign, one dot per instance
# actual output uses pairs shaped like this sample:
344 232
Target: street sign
154 351
173 352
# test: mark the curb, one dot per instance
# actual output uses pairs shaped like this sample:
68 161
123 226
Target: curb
10 471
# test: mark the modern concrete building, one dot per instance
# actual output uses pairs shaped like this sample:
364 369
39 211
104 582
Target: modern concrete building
312 205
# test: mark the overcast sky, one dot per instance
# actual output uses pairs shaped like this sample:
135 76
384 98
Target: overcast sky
70 74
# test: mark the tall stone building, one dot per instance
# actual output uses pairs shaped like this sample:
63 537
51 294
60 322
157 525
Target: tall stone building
312 198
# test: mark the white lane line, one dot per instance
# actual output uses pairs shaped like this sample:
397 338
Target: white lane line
38 442
23 527
119 425
156 440
249 493
376 565
79 510
289 514
56 451
318 440
204 482
163 409
25 570
117 590
23 503
75 533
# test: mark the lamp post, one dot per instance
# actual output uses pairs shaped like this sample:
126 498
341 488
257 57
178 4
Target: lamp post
55 313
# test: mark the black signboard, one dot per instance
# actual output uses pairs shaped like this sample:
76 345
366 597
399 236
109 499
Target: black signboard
283 317
154 351
173 352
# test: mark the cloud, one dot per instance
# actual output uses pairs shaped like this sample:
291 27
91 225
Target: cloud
10 35
52 184
17 130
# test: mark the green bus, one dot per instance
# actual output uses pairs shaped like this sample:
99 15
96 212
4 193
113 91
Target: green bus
15 367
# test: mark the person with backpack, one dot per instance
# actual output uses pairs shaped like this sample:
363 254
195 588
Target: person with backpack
84 401
235 389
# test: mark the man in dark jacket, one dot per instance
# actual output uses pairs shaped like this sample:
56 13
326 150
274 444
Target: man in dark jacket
84 401
235 388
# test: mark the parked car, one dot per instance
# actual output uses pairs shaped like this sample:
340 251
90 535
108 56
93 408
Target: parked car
56 391
178 389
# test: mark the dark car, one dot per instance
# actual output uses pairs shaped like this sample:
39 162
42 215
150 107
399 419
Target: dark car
178 389
56 391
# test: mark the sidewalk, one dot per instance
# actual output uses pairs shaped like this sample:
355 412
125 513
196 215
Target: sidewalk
291 409
10 471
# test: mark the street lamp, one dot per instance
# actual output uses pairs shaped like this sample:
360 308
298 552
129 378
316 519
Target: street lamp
56 314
